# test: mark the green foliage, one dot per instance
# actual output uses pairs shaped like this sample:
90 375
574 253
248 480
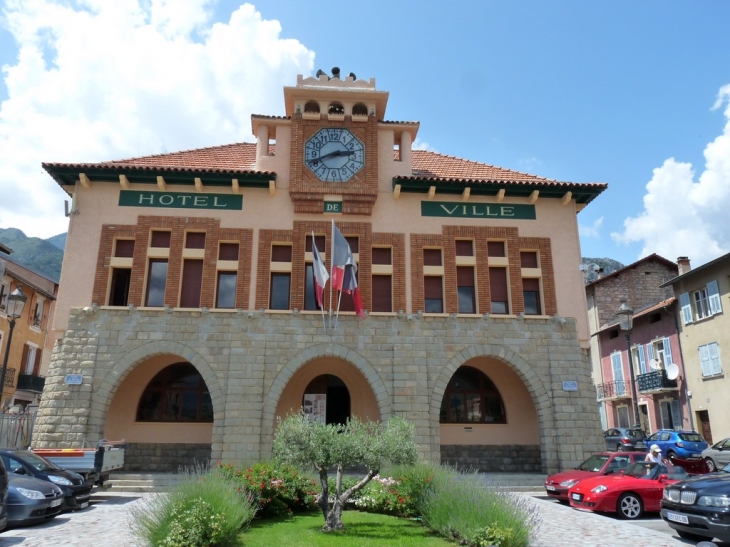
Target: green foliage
400 496
203 510
462 507
277 489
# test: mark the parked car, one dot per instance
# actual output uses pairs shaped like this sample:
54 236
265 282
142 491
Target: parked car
628 493
32 501
601 463
699 508
76 491
717 455
678 444
623 438
3 496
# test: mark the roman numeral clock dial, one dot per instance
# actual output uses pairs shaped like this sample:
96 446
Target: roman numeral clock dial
334 154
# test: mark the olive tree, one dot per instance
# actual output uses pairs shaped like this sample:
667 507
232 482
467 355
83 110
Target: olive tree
323 447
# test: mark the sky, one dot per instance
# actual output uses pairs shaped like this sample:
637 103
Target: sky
632 94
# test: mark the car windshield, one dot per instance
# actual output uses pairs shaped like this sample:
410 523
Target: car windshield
646 470
594 463
691 437
35 461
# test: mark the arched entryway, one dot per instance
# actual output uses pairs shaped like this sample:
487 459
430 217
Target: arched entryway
329 389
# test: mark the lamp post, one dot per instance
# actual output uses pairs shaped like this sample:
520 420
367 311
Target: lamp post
14 309
626 316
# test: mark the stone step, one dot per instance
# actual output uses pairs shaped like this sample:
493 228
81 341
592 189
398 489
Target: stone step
141 482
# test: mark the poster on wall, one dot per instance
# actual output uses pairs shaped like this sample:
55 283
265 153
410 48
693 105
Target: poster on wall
315 407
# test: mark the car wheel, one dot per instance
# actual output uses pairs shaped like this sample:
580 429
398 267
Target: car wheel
690 536
671 455
711 467
629 506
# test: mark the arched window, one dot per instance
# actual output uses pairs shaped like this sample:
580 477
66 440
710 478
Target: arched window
176 394
336 108
311 106
471 397
360 109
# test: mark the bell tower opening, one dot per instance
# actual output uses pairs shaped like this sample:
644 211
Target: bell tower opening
327 399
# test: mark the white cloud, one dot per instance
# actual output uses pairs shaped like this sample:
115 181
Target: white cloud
422 145
98 80
594 230
684 217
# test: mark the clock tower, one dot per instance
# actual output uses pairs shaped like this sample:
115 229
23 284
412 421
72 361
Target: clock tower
334 142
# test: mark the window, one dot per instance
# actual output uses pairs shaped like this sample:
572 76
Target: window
531 296
710 359
466 290
176 394
359 109
498 289
4 292
638 357
36 318
618 373
279 290
528 259
192 283
160 239
156 283
705 301
496 248
195 240
121 276
382 283
661 351
669 414
434 294
471 397
226 290
228 251
310 295
31 360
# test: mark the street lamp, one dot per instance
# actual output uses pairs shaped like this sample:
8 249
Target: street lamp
13 309
626 316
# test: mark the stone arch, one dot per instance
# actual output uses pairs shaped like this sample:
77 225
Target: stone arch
382 396
532 381
103 395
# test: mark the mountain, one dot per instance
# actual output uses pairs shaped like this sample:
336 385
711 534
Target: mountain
40 255
593 268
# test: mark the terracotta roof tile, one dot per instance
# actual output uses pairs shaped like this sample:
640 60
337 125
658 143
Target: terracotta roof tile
230 156
431 164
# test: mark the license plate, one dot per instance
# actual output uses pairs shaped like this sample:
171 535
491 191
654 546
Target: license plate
677 518
575 496
551 488
84 505
696 455
56 503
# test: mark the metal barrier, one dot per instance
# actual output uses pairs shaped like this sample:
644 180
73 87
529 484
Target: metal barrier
16 430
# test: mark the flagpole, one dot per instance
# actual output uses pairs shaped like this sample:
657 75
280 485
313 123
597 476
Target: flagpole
314 281
332 271
339 299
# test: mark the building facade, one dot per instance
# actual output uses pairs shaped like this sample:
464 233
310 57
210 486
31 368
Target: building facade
703 295
28 353
657 392
188 305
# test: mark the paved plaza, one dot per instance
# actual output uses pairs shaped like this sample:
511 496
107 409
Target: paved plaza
106 523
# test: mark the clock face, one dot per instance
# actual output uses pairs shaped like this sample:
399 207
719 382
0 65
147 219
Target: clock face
334 154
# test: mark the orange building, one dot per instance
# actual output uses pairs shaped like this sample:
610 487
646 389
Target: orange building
187 319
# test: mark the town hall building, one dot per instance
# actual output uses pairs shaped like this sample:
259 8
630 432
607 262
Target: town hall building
187 321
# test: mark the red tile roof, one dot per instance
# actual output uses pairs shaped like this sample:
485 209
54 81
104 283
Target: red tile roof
433 165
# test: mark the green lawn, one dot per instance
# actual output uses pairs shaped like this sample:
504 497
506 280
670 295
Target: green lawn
361 529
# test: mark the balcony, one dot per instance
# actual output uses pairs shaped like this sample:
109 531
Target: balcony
613 390
29 382
654 381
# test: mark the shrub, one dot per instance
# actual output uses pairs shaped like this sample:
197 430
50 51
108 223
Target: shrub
277 489
462 507
400 496
203 510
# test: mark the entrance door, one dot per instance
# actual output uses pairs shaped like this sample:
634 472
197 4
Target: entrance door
703 417
337 400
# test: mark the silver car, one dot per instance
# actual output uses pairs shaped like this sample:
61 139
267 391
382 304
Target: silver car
717 456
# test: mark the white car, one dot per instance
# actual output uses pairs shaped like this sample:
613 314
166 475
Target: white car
717 456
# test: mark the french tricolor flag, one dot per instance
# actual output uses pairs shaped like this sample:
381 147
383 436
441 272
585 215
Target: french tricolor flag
344 269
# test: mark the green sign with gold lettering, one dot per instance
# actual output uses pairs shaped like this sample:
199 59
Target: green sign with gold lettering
180 200
507 211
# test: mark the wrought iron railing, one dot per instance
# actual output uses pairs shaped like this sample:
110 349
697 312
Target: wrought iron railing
654 380
612 390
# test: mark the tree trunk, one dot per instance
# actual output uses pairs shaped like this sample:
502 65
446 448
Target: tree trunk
333 519
325 495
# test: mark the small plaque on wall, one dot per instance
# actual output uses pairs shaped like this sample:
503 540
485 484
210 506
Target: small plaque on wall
74 380
570 385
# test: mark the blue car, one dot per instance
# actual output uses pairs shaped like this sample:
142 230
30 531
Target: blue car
678 444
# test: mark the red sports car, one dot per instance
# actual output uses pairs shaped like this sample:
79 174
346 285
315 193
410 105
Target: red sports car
628 493
601 463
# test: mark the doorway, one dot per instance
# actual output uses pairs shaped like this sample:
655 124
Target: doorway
336 400
703 417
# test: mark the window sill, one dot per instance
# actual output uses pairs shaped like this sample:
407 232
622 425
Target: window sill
714 376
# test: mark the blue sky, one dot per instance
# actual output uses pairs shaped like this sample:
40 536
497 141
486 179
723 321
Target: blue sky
633 94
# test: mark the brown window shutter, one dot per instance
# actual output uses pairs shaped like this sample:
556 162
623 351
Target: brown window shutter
37 364
382 293
160 239
498 284
432 257
23 363
495 248
192 282
464 247
228 251
531 284
124 248
382 255
528 259
464 276
433 287
281 253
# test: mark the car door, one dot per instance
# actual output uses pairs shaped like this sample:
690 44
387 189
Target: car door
612 438
722 457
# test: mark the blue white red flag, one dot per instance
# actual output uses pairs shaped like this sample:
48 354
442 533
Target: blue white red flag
344 269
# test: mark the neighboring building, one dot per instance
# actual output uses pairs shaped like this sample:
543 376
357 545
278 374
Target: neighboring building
188 306
661 398
703 295
31 344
